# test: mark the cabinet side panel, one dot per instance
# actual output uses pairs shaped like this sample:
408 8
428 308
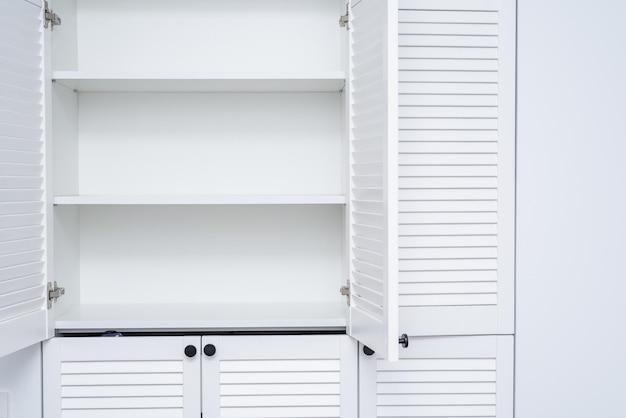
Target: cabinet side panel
20 378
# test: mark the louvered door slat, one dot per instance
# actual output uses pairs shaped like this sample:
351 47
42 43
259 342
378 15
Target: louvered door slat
119 377
456 155
279 376
441 377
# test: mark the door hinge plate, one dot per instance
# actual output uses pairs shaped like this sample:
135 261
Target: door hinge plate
344 20
50 18
345 291
54 292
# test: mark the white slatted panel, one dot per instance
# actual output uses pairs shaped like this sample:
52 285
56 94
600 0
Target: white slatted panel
294 388
22 281
455 165
110 386
122 377
279 376
443 377
373 211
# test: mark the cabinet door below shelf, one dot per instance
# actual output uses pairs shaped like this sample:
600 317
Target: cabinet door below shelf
122 377
279 376
468 376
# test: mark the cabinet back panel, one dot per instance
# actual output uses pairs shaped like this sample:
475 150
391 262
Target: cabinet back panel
208 35
210 143
196 254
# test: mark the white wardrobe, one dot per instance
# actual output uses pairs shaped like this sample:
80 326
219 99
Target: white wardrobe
248 203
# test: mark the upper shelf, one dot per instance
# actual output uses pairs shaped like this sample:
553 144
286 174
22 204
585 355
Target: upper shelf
325 81
201 200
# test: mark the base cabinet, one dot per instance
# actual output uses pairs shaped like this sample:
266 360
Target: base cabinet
440 377
243 376
220 376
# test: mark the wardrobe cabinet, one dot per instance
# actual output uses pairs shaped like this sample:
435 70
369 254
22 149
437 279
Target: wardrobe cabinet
202 169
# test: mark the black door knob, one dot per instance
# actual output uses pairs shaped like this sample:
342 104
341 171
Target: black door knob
368 351
190 351
209 350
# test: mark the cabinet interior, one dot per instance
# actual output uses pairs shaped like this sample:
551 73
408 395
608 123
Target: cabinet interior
199 157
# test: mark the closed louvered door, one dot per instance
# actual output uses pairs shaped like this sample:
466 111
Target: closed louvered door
279 376
119 377
23 305
470 376
373 175
456 166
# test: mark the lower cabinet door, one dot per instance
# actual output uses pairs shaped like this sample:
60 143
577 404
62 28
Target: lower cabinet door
440 377
120 377
279 376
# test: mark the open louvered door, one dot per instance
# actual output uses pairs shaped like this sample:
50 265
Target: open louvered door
23 308
456 166
373 210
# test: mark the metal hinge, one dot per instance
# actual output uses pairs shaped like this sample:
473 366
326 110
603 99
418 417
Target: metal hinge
345 291
49 17
54 292
344 20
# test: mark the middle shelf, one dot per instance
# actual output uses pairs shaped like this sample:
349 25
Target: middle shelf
90 81
200 200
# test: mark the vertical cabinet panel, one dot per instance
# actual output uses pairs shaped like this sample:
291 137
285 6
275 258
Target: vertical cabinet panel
279 376
456 173
121 377
22 278
373 179
441 377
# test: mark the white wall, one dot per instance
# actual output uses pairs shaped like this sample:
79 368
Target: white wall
571 270
20 376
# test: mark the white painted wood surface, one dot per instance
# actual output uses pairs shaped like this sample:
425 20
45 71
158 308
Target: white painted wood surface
457 165
208 253
204 316
441 377
22 201
121 377
238 35
373 176
280 376
20 379
199 144
201 200
201 82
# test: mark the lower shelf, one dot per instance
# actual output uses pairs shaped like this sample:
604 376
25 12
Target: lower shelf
193 317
